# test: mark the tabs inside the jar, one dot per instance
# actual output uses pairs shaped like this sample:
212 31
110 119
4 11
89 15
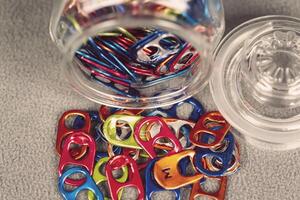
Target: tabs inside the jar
137 62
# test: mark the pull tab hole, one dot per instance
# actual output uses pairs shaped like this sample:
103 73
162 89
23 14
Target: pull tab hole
104 188
130 193
78 151
162 146
118 173
211 185
151 51
82 194
184 111
170 43
206 138
102 169
166 195
74 122
123 130
213 125
74 176
186 58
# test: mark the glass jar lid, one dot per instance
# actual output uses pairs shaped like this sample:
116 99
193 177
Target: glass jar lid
256 81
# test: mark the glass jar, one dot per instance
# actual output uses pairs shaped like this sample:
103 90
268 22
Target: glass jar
256 85
137 53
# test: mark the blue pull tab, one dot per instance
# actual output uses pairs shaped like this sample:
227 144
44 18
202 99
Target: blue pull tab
88 185
151 184
224 155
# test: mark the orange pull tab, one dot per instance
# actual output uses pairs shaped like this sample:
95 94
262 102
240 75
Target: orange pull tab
167 172
63 131
205 125
197 190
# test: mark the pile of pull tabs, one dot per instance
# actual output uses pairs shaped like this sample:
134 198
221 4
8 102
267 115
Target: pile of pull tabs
151 150
128 61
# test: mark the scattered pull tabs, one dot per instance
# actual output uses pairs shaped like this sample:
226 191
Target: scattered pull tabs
87 162
134 179
110 131
167 172
89 185
151 184
63 131
164 132
197 190
203 127
99 177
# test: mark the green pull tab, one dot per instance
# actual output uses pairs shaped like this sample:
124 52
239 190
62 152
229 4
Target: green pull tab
110 130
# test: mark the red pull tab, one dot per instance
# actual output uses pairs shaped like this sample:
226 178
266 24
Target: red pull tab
164 132
203 126
135 154
63 131
79 138
197 190
134 179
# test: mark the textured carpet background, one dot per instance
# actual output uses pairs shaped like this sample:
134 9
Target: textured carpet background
34 94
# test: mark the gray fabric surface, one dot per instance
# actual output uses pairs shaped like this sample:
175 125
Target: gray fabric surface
34 94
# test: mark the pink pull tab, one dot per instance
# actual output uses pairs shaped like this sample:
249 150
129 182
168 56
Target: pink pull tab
63 131
164 132
87 161
134 179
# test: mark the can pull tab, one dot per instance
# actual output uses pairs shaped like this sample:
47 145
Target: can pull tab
161 45
197 190
204 127
110 130
223 154
164 132
87 162
99 177
167 173
63 131
134 179
151 184
89 184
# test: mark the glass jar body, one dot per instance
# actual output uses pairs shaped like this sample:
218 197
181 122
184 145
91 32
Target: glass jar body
194 25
